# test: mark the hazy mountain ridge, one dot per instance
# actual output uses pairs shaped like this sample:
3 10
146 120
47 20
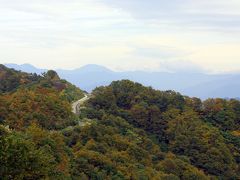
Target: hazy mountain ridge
26 68
192 84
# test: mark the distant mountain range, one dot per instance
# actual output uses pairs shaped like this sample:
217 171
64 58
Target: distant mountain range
26 68
192 84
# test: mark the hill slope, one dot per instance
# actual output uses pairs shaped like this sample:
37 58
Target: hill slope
203 132
125 131
29 98
11 79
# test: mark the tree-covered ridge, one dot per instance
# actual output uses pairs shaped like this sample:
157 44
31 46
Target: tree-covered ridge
45 101
11 79
204 132
125 131
67 90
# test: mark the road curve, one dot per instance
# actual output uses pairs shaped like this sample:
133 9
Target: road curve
76 105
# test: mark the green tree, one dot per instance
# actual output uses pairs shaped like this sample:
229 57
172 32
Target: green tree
20 159
204 145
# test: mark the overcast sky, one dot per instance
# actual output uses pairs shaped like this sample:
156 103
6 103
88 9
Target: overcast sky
153 35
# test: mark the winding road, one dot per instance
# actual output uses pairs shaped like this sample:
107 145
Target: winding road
77 105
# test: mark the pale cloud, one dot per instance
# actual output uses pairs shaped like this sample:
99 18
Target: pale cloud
215 14
176 35
217 58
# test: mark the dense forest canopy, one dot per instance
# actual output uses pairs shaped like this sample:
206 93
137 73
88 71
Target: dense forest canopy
124 131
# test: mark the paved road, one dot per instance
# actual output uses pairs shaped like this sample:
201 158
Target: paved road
76 105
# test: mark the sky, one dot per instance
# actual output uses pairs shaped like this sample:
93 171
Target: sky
149 35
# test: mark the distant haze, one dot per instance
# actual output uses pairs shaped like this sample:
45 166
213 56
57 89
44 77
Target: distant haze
192 84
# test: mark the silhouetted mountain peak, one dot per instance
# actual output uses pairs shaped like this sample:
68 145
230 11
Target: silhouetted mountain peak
94 68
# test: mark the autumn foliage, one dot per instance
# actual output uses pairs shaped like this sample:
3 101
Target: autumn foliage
125 131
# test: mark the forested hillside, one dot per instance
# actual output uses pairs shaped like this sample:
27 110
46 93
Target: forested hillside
125 131
11 79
